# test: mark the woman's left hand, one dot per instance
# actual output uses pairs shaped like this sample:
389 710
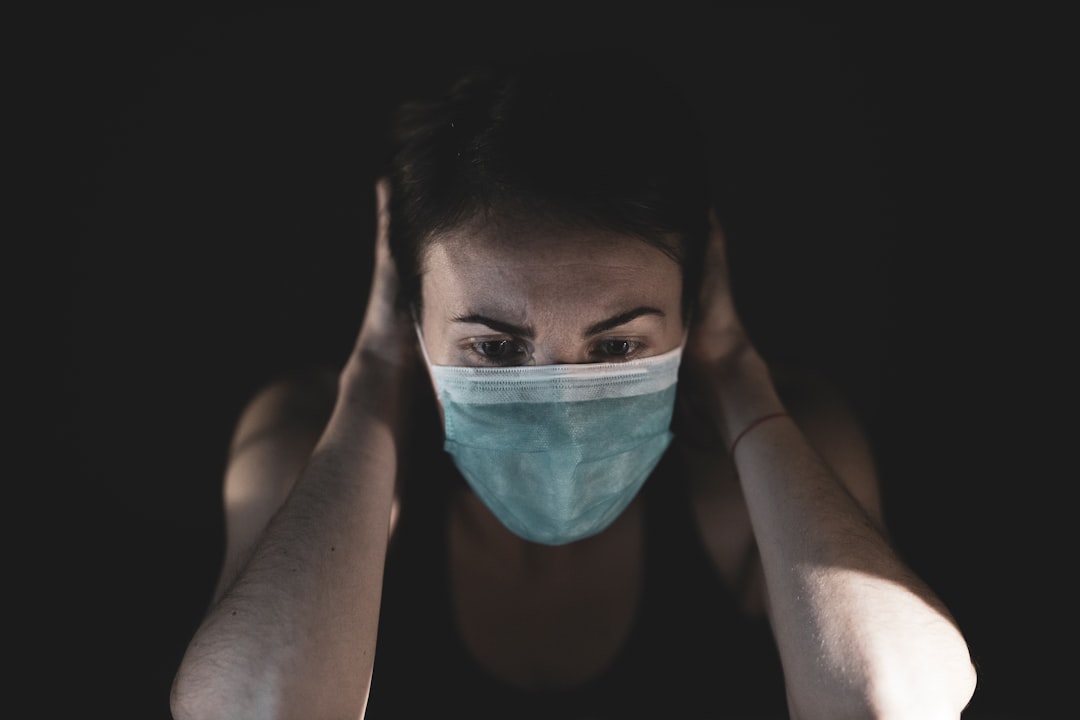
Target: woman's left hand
717 335
725 382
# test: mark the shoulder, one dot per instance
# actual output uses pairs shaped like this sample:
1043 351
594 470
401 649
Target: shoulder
273 437
297 401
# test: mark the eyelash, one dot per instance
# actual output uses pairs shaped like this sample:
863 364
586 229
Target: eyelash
486 359
520 353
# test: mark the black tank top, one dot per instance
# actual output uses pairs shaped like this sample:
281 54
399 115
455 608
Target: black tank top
691 652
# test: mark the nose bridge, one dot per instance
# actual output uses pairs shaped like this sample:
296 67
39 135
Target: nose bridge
563 348
559 358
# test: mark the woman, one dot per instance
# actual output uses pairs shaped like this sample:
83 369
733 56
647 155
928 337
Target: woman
555 478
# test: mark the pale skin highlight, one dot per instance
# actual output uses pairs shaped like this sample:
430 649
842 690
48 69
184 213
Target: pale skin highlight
563 291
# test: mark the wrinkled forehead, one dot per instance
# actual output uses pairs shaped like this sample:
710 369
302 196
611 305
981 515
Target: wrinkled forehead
540 278
496 243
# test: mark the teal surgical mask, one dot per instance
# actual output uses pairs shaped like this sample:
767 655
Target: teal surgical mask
557 452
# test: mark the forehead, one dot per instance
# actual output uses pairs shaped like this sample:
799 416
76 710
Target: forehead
547 277
499 248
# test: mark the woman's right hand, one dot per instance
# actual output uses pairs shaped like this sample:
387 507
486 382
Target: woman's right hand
377 372
386 333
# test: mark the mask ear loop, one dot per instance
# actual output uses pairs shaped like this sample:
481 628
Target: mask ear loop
419 335
427 365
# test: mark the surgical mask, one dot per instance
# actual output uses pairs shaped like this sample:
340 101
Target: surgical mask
557 452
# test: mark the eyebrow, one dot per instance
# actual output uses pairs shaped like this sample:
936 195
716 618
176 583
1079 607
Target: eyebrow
622 319
509 329
594 329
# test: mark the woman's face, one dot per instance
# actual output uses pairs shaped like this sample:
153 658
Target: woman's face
538 297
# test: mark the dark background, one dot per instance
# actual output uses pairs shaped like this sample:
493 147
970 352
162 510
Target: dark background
207 225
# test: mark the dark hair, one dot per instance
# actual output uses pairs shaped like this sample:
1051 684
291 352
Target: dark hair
594 140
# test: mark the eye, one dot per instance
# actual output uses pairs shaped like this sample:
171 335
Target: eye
493 349
615 348
499 352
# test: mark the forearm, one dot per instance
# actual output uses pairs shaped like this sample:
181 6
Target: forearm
859 634
294 636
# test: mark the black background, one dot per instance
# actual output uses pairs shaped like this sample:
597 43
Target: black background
207 222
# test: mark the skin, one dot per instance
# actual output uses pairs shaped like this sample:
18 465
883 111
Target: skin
311 503
552 296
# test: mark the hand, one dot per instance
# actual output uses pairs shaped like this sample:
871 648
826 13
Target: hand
386 332
717 335
723 377
385 351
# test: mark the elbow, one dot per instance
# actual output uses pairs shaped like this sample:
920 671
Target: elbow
204 689
201 692
935 683
939 684
195 695
183 700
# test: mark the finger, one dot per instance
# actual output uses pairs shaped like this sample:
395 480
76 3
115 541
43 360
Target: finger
381 330
384 281
716 252
714 281
717 330
382 217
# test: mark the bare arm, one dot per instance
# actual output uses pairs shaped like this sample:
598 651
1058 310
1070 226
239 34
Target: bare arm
859 634
293 636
